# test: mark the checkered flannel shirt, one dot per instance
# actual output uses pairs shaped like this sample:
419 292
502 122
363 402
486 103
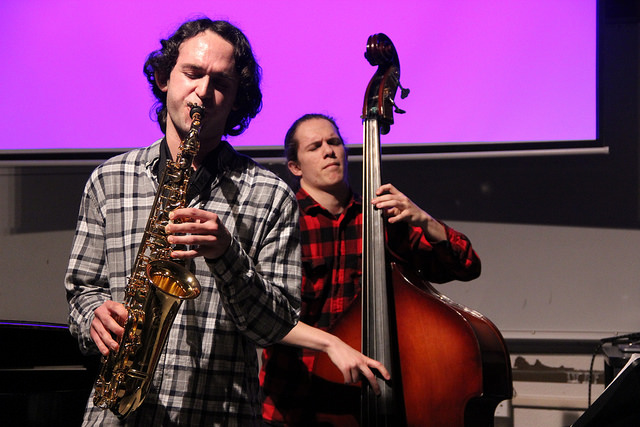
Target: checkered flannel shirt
208 371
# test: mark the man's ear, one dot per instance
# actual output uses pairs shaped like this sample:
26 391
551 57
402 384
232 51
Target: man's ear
161 81
294 168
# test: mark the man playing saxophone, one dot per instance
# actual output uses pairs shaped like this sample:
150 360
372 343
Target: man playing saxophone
239 228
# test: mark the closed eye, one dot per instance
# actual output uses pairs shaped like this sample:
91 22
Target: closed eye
315 146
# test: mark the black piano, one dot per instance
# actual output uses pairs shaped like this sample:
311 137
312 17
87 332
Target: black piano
44 379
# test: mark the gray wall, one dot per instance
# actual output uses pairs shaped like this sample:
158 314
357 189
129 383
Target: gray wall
37 220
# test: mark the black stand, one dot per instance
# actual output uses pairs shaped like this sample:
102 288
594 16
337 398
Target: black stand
619 403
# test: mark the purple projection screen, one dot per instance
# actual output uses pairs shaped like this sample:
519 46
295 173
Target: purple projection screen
479 71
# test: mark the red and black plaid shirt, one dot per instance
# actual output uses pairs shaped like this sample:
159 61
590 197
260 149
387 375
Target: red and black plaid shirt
332 261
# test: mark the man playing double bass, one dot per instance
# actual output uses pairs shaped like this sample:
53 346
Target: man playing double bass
331 233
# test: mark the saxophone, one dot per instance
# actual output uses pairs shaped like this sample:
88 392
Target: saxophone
155 290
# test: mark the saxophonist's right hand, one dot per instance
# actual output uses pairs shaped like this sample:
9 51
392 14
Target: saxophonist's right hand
203 231
106 326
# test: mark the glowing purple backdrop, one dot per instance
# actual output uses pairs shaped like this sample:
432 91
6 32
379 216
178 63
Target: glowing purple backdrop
490 71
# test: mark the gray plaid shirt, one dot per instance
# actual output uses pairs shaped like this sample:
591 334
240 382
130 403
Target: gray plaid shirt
208 372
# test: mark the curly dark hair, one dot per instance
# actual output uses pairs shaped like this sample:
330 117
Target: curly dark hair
249 97
291 143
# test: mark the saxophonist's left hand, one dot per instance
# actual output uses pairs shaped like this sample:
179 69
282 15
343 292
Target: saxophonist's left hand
201 230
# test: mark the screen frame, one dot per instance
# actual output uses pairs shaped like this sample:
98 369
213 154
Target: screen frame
395 151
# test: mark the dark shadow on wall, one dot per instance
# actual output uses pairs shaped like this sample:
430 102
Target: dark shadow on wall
47 198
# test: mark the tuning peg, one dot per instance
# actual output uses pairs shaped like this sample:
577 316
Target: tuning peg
403 92
395 107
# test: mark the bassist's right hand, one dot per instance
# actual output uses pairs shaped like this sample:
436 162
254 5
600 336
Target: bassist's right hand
106 326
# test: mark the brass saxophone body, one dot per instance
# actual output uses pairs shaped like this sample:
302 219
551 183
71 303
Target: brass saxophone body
155 290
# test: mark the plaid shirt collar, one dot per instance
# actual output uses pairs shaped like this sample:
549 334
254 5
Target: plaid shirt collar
308 205
220 159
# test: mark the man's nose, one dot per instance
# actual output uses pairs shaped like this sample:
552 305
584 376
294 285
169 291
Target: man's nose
204 88
328 150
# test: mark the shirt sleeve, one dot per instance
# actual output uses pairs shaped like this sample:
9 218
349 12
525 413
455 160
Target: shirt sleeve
451 259
262 294
86 283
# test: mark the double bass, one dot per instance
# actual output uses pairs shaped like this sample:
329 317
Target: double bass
450 366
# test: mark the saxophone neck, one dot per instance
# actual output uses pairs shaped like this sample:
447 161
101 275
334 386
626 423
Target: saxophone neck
190 144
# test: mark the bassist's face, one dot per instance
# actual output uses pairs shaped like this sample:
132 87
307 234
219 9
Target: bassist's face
322 162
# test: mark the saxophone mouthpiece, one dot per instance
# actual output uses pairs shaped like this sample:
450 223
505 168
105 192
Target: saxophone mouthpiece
195 108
